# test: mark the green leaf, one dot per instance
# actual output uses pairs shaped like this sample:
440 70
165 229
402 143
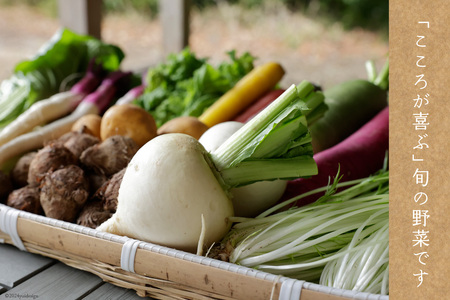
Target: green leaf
275 144
185 85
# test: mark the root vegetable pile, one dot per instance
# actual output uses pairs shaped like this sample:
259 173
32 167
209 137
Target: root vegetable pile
74 178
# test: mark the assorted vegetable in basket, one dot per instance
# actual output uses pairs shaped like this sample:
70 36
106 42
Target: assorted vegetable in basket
219 161
178 193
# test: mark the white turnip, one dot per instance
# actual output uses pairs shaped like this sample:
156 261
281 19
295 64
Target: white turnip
177 194
166 188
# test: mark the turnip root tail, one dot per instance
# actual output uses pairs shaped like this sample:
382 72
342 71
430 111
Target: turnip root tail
111 225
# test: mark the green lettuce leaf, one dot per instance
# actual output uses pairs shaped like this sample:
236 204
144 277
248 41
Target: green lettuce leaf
185 85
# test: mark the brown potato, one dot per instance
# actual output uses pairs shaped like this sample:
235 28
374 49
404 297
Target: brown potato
88 124
187 125
128 120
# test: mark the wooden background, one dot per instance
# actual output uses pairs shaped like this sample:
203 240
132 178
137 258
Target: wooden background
405 30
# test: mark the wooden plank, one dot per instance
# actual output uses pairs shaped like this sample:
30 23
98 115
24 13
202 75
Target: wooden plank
57 282
21 265
174 16
112 292
81 16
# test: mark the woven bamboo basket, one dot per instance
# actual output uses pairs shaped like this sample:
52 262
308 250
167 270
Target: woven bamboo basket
152 270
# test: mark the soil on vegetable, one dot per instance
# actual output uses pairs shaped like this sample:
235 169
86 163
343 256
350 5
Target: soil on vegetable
306 48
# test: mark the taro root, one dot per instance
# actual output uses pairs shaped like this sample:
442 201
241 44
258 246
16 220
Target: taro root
109 191
27 199
52 157
19 174
93 214
110 156
5 186
77 142
64 192
96 181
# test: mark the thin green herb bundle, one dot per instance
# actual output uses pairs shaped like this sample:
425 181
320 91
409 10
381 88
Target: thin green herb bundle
341 240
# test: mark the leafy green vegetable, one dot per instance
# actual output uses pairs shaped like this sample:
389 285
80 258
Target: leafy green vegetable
56 67
275 144
185 85
344 231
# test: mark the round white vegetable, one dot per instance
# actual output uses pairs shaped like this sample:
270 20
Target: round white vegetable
212 138
167 187
249 200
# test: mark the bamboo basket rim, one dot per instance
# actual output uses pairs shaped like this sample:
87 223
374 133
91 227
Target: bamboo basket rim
60 243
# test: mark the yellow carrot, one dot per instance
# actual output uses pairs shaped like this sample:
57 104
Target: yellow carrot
251 87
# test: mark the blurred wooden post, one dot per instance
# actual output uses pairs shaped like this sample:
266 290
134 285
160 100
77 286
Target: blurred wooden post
174 15
81 16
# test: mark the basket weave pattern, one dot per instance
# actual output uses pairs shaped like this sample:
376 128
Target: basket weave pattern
160 272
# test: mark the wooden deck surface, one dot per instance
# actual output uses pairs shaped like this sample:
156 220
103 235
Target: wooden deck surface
26 276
